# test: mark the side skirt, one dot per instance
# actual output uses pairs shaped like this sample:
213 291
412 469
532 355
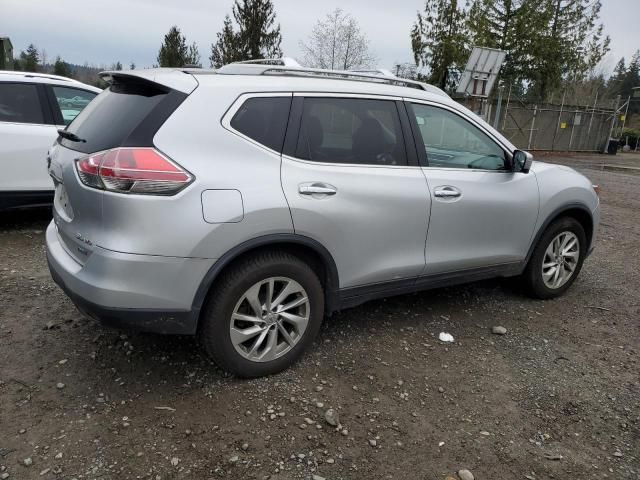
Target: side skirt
20 199
353 296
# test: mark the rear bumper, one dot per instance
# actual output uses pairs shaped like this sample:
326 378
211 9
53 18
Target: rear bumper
139 292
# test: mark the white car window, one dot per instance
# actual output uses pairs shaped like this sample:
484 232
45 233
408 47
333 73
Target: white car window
71 101
19 103
450 141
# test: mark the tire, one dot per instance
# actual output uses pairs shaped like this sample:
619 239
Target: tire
533 277
231 302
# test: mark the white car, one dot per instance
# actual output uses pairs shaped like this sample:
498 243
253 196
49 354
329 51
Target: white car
33 106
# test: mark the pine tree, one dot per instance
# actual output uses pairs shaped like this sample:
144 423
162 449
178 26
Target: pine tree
193 55
225 50
572 44
509 25
258 34
61 68
132 66
30 60
174 51
439 40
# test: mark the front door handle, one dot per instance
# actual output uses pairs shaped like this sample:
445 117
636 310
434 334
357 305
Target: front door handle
446 192
317 188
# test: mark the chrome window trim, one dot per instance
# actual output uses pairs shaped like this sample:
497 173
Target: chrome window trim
359 165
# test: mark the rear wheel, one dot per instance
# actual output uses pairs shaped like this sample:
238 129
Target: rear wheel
556 260
263 314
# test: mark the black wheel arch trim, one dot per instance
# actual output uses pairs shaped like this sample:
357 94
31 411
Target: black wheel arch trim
332 281
553 216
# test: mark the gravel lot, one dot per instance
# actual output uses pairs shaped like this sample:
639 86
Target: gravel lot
557 396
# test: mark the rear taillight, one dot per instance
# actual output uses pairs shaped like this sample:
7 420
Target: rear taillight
132 170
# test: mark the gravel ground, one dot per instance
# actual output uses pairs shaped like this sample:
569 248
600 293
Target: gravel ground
556 396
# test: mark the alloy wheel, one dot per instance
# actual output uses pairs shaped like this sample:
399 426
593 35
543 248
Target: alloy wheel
560 260
269 319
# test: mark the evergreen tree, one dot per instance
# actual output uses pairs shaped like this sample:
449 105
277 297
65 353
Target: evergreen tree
193 55
257 35
30 60
225 50
132 66
61 68
439 40
509 25
572 44
174 51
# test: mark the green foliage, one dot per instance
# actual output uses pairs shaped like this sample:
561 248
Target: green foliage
439 40
257 35
30 60
174 51
61 68
226 49
630 137
570 45
509 25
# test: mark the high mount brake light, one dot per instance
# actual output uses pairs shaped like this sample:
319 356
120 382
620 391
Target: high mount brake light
132 170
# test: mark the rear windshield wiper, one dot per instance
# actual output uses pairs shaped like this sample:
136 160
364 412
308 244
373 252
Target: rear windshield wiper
70 136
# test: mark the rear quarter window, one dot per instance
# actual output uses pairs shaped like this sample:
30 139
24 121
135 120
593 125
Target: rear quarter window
264 120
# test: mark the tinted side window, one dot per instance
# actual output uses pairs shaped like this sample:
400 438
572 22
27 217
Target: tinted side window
19 102
264 119
451 141
349 130
71 101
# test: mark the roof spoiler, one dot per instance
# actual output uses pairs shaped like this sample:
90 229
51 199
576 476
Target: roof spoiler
174 79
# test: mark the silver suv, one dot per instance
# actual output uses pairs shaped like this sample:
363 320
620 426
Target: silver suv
244 205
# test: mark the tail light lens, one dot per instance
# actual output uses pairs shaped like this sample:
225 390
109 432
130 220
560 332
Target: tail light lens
132 170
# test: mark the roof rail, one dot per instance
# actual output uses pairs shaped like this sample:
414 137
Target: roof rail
282 61
278 67
38 75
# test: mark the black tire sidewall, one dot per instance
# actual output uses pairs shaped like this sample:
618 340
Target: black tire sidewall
215 329
534 269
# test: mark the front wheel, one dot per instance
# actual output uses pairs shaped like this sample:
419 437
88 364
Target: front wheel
263 313
556 260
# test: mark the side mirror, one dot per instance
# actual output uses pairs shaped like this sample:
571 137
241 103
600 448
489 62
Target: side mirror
522 161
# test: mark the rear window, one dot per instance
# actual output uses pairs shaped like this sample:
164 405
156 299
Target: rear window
264 119
114 115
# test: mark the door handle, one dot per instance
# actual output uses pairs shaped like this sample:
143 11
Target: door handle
315 188
446 192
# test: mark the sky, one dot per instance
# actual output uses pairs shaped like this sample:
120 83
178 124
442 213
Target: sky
102 32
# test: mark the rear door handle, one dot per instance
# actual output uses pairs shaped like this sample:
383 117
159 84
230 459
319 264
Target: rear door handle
317 188
446 192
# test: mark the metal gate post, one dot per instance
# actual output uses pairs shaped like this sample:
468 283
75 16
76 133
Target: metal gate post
533 124
506 109
613 121
553 142
496 119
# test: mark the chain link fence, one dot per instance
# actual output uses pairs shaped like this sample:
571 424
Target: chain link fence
550 126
